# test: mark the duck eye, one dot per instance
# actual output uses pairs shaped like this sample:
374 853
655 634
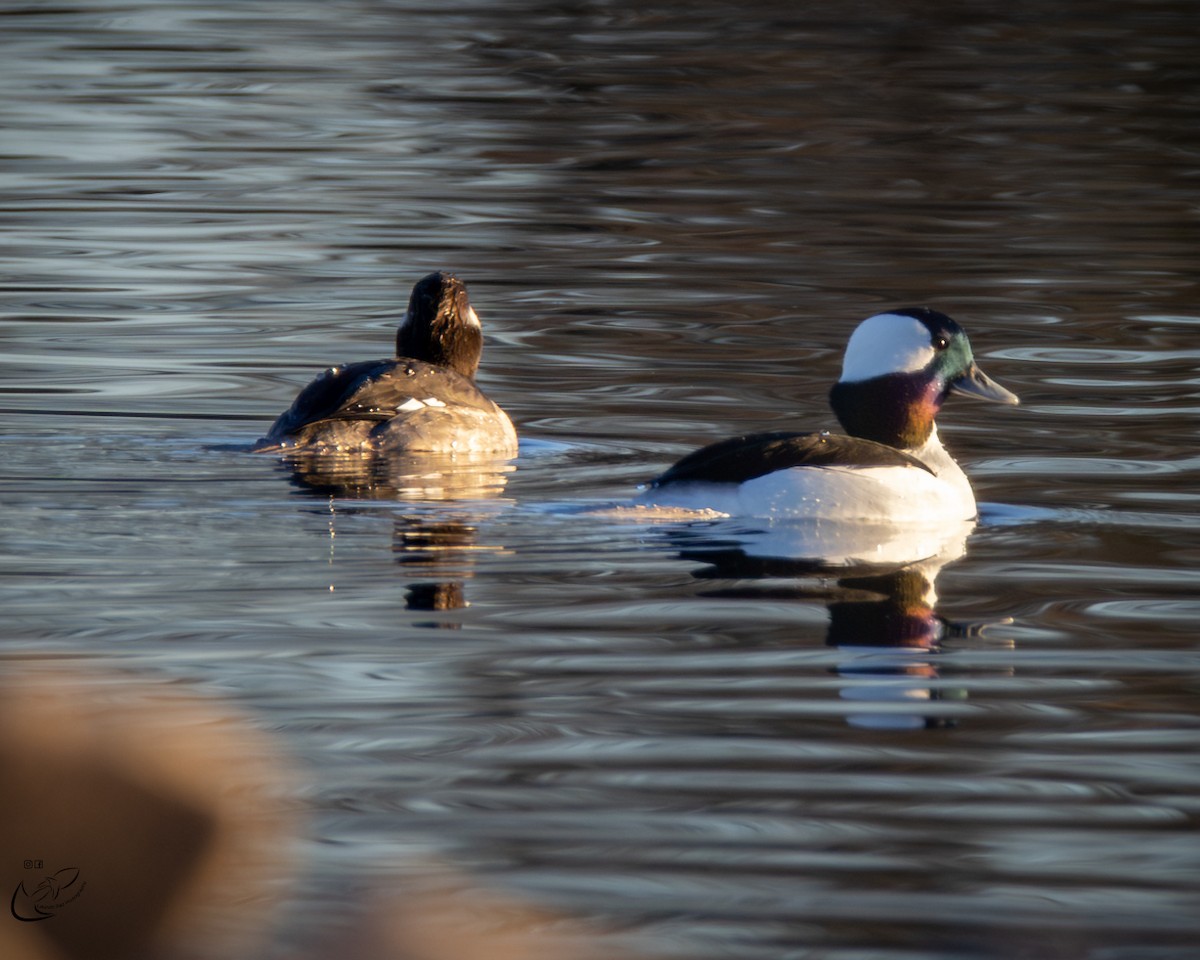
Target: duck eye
940 343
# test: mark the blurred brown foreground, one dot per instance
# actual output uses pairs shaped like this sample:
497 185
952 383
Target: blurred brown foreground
137 821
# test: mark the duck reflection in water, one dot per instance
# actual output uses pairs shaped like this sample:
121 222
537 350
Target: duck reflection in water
440 550
881 605
414 427
451 496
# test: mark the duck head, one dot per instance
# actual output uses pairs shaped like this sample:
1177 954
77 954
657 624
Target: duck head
898 370
440 326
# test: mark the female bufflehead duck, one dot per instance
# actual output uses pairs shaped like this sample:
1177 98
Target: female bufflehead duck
423 401
898 369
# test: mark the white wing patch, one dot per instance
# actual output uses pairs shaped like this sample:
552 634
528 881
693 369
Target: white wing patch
412 403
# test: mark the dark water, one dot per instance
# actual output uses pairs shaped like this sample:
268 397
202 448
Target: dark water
670 216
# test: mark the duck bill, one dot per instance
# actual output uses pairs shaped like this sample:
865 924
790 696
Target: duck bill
976 383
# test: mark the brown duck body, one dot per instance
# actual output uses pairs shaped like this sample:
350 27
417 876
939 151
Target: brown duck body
424 400
400 405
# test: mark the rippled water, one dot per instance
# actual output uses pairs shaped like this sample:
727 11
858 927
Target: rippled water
670 217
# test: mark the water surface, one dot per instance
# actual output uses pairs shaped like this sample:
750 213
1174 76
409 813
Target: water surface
670 219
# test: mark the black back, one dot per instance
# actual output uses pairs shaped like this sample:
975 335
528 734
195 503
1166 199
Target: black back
744 458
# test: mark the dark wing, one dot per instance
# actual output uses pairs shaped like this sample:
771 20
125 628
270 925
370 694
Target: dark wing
744 458
330 396
373 391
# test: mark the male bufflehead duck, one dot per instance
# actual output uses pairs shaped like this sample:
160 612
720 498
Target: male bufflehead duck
423 401
899 368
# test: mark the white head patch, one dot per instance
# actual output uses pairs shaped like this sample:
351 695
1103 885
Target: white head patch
886 343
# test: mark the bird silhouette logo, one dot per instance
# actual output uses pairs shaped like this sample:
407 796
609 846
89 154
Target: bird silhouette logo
43 900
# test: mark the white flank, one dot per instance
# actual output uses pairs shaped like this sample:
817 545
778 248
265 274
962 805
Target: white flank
854 494
838 493
886 343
